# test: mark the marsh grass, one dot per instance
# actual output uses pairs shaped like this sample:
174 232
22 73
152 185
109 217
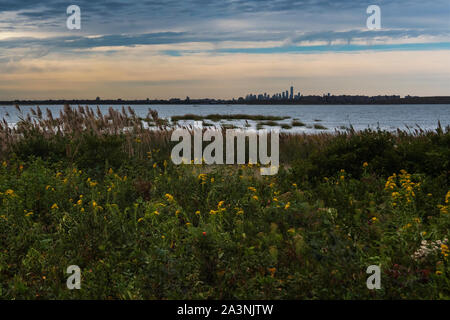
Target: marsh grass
100 191
297 123
218 117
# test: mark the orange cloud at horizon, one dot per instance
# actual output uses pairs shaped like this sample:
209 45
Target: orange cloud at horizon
141 72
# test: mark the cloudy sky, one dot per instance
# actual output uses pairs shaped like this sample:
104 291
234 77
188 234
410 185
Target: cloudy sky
222 48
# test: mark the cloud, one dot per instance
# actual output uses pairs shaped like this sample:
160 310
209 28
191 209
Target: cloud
196 36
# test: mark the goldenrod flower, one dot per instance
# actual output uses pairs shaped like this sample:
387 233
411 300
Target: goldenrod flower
272 271
54 206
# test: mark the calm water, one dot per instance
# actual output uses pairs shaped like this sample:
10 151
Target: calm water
333 117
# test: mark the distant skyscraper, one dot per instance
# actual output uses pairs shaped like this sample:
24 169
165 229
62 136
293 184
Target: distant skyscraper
291 97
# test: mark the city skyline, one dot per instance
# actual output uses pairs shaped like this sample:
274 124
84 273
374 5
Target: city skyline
222 49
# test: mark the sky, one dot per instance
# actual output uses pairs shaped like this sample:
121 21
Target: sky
222 48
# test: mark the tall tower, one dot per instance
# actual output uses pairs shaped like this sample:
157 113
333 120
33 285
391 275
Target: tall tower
291 97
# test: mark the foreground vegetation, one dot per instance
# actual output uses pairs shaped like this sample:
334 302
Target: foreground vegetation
81 190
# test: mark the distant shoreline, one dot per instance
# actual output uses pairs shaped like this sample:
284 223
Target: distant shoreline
305 100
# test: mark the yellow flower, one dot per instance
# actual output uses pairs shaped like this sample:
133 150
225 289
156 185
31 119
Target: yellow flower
220 204
197 212
291 230
140 219
424 233
365 164
287 205
374 219
156 212
177 212
169 197
9 192
213 212
94 204
438 273
255 197
342 177
272 271
294 185
275 199
252 189
212 180
54 206
154 165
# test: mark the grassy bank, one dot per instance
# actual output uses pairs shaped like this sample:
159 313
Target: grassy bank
81 190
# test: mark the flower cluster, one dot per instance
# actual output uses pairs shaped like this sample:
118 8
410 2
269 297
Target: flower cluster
426 248
402 187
